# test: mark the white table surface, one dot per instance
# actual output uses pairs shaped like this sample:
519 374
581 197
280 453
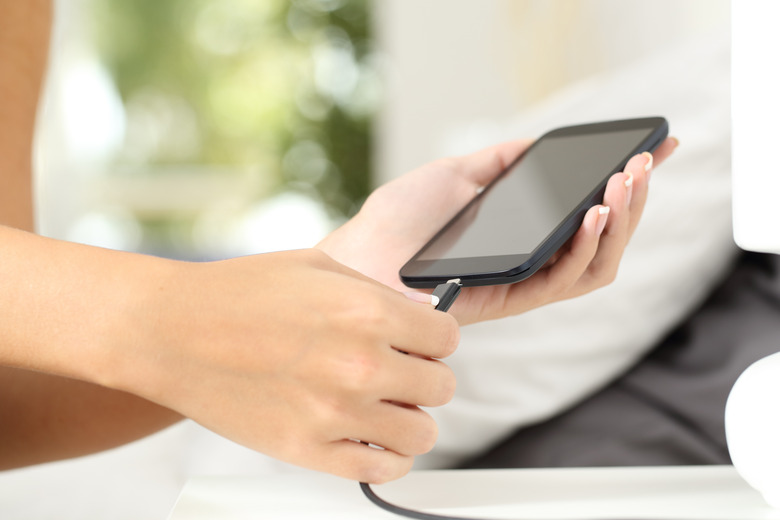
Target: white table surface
683 492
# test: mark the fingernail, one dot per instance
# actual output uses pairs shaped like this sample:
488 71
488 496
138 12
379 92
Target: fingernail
419 297
649 163
601 223
629 184
676 141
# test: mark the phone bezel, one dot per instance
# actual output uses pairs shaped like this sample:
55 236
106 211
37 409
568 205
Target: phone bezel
503 269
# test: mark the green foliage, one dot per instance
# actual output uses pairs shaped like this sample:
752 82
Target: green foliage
284 87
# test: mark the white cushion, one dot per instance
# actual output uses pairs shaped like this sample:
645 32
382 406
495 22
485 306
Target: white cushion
524 369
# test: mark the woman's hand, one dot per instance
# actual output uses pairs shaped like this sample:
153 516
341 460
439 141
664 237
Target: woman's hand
401 216
296 356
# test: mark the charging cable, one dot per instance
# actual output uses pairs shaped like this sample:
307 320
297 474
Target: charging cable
447 293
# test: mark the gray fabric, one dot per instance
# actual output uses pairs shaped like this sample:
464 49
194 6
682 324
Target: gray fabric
669 408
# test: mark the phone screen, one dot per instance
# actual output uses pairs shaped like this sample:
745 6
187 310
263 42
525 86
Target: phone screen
502 230
532 198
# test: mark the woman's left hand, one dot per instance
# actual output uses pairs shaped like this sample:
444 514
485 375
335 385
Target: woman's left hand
401 216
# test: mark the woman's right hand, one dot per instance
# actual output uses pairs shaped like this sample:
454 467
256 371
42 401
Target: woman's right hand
293 355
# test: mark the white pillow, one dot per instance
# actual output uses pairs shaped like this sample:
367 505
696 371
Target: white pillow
522 370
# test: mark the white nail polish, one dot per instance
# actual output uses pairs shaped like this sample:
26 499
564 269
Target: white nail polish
601 223
649 164
422 298
629 183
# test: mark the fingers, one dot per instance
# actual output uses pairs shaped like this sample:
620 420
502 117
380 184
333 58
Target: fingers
388 314
664 150
640 168
594 254
406 430
625 195
293 354
621 190
416 380
382 383
379 445
423 330
568 269
637 173
353 460
376 373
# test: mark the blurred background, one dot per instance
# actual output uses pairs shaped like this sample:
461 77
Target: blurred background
203 129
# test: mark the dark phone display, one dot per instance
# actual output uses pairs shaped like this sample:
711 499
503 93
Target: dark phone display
522 208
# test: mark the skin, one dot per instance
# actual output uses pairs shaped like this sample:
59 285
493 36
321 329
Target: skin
294 354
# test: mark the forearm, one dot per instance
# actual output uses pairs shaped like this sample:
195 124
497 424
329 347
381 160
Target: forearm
60 304
45 418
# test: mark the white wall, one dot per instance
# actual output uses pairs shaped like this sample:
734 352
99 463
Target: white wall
453 63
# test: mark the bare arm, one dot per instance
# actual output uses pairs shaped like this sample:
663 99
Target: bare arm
45 417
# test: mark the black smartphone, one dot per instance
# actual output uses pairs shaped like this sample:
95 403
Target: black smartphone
510 229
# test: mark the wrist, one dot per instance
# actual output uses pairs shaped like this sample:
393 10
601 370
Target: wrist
134 343
72 310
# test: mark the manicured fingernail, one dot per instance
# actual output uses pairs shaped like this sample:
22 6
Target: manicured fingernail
649 163
629 184
419 297
676 141
601 223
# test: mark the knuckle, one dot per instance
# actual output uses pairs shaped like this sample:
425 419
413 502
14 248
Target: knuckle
325 414
605 275
560 285
448 385
447 164
369 320
300 453
443 384
426 436
382 472
373 316
360 371
450 336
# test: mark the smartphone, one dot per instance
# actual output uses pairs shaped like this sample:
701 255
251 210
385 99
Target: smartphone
510 229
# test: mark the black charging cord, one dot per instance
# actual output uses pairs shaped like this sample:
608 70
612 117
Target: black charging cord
447 293
402 511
